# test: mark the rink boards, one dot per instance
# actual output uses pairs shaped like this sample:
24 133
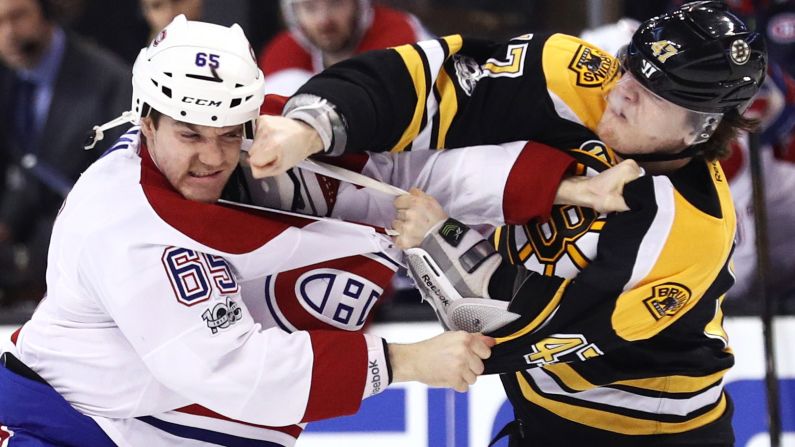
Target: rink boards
414 415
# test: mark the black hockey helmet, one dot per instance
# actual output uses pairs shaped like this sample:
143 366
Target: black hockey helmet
700 57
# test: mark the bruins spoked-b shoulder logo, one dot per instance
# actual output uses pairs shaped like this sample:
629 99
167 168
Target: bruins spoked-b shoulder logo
222 315
667 299
592 66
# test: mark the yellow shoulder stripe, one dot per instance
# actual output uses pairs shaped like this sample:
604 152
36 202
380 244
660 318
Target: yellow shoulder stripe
541 317
672 286
448 106
416 68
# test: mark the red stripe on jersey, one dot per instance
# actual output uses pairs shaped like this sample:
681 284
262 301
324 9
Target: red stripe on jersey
221 227
198 410
273 105
533 182
338 374
284 53
15 336
390 28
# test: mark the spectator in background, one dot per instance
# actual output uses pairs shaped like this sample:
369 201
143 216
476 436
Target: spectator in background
53 88
324 32
159 13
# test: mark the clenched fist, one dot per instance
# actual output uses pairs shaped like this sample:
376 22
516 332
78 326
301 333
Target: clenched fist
280 144
416 214
451 360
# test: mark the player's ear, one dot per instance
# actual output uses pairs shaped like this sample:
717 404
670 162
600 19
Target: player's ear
148 128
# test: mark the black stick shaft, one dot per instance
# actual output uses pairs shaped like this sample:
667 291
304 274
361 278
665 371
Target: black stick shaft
766 299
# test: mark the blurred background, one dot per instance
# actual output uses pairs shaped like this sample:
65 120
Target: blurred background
64 66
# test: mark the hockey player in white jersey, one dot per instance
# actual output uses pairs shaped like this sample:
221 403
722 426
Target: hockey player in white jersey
143 338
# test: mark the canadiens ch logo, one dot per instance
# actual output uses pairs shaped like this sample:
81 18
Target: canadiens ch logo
667 299
593 67
222 315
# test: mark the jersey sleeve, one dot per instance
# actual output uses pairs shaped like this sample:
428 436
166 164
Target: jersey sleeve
181 311
411 96
638 285
489 184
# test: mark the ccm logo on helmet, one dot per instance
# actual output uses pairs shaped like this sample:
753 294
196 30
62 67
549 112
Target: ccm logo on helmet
201 101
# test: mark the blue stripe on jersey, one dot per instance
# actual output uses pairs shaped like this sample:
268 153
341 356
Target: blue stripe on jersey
201 434
124 141
388 259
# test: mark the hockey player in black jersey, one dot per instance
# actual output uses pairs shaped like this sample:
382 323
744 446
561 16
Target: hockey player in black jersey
619 337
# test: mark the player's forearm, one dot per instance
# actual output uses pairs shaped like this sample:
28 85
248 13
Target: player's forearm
451 359
602 192
373 95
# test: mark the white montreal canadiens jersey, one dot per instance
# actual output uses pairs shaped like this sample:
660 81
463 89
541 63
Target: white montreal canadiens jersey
144 327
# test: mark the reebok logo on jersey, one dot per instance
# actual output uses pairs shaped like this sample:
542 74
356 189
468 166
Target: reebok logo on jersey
5 435
453 231
222 315
593 67
375 381
667 299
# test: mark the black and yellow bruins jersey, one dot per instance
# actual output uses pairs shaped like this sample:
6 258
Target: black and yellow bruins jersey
620 340
634 344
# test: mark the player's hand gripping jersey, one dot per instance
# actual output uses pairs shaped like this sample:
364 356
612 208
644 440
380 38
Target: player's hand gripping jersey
145 329
626 345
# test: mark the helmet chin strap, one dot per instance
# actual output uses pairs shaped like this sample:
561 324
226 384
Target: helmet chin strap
98 132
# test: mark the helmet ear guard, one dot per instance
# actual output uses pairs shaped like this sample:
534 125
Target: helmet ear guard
198 73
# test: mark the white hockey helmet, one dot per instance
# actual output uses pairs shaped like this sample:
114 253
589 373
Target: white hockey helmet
199 73
363 21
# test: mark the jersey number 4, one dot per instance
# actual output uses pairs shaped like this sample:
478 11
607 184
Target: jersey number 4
555 348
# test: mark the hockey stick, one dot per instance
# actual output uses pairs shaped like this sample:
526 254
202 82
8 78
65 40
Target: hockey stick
768 301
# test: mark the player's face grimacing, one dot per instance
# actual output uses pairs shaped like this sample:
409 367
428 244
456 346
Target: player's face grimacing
636 121
196 160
